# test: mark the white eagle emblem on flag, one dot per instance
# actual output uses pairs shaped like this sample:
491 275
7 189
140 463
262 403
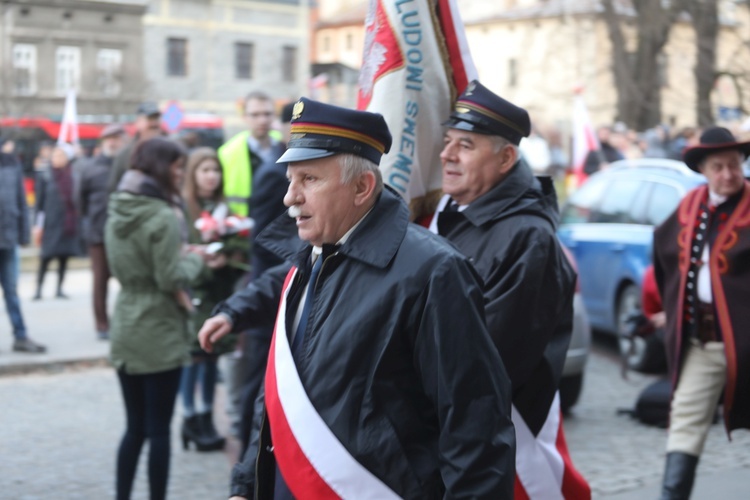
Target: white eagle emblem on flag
374 51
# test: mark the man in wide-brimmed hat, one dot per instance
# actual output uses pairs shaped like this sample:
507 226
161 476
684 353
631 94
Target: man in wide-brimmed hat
701 255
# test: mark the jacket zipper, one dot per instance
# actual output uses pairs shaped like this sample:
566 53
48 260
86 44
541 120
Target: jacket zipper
260 450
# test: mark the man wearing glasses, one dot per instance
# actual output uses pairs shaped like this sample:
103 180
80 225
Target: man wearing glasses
254 185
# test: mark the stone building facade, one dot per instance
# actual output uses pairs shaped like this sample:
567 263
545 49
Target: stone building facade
209 54
50 46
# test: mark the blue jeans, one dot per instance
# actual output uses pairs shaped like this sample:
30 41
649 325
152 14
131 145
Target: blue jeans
204 374
9 265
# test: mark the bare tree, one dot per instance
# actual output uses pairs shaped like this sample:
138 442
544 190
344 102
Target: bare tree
705 17
638 75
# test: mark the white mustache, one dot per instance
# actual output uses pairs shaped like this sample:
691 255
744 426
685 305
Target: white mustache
294 211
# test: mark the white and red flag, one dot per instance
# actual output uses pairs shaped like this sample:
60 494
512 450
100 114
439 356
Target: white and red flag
69 126
416 62
584 141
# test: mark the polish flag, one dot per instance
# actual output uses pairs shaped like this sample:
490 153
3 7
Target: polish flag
584 141
416 62
69 126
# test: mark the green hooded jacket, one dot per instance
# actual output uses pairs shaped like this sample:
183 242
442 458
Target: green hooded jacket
149 330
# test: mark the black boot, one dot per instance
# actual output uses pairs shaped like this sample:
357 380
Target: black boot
679 474
211 437
191 431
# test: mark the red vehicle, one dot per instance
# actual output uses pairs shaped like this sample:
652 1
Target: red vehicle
30 133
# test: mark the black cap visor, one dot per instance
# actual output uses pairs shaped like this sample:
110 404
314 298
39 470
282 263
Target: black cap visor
302 154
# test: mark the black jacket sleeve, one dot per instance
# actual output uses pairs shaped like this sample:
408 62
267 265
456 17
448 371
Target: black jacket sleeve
463 376
258 303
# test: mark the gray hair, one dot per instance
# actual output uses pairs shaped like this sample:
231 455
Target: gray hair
352 166
499 143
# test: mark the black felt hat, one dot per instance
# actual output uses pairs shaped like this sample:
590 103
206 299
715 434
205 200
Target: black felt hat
713 140
319 130
479 110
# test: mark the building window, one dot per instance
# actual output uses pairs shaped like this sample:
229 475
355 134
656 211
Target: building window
326 43
349 41
243 60
512 72
24 69
177 57
289 64
68 69
109 70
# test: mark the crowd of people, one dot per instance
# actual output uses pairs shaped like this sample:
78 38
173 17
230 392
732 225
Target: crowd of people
365 355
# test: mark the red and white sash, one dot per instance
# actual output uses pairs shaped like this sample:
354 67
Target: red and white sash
314 463
544 469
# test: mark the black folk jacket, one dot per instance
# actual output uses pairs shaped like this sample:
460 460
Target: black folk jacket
396 360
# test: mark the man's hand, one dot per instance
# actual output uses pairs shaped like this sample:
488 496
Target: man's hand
659 320
212 330
238 498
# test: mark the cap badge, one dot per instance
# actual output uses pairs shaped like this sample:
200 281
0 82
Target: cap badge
299 106
461 109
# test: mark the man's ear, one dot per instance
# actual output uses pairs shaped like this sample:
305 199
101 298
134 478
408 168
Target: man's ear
508 158
364 187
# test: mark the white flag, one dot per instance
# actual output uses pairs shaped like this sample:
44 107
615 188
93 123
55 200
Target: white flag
69 126
416 62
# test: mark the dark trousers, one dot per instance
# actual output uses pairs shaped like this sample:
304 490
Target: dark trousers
149 405
62 265
100 269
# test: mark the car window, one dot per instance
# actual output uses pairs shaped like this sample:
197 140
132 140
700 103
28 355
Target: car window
580 204
619 202
663 201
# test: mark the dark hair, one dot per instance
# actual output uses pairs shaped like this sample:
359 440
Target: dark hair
190 189
154 158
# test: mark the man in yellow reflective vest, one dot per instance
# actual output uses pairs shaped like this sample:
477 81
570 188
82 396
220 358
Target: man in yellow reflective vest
254 185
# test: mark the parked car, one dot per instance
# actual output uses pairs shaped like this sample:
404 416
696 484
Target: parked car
571 383
608 225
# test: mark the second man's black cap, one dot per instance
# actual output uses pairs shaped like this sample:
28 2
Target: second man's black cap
479 110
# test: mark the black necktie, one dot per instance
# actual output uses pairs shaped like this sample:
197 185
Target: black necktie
452 206
302 326
448 217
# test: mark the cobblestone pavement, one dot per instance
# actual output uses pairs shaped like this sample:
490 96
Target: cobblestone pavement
61 427
615 452
60 436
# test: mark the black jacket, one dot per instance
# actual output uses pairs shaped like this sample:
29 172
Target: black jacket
14 213
265 205
94 196
397 361
509 235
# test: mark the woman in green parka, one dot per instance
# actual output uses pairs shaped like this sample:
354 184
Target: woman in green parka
205 204
145 239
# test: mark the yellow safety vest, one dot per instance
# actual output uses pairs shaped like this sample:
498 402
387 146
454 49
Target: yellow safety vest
238 173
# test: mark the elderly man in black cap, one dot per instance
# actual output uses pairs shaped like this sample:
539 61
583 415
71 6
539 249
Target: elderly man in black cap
701 257
147 126
382 381
93 199
504 219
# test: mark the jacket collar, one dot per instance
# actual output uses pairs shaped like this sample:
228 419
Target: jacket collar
514 193
375 241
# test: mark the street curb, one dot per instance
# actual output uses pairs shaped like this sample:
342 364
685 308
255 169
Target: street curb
55 366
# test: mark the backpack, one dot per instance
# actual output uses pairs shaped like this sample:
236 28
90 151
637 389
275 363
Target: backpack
653 404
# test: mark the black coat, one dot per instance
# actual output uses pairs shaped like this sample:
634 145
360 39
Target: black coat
509 235
50 202
265 205
397 361
94 196
14 213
